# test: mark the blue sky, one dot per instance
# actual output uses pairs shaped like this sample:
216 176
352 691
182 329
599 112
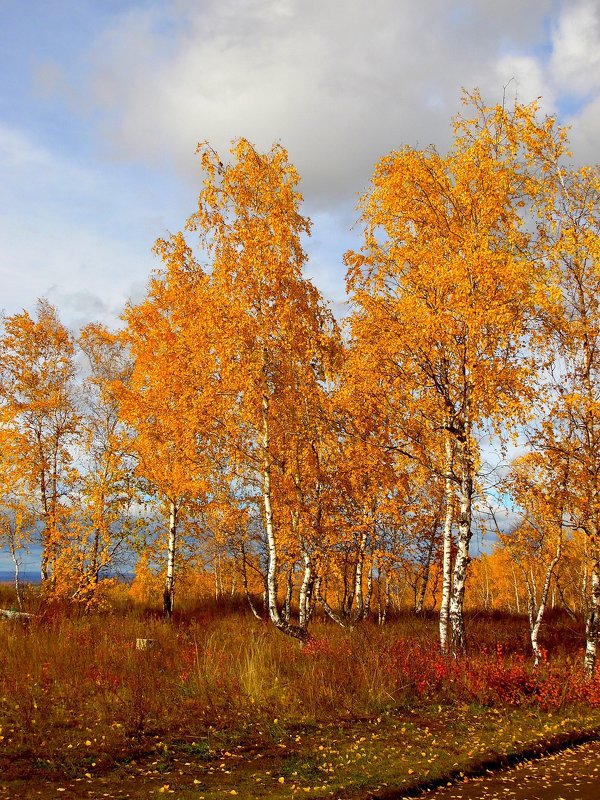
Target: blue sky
102 103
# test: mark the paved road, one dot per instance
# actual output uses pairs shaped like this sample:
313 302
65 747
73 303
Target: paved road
572 774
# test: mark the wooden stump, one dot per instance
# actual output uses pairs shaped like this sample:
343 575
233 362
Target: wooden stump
145 644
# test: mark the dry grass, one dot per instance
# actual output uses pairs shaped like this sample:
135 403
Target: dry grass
77 697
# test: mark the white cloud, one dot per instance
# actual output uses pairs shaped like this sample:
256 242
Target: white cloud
585 133
575 63
339 83
575 69
525 78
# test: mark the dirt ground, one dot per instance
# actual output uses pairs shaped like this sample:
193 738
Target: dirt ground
572 774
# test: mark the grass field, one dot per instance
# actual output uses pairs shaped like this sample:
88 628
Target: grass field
221 704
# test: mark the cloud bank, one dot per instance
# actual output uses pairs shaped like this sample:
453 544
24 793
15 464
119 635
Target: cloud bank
105 162
339 83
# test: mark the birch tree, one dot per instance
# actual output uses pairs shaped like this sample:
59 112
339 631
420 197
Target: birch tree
276 338
571 241
538 484
17 521
39 417
102 522
444 290
161 401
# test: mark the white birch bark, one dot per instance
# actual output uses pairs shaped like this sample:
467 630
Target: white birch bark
245 583
584 573
384 607
271 543
369 595
593 620
461 565
305 592
447 550
536 623
337 618
316 588
358 574
272 556
169 592
289 591
17 566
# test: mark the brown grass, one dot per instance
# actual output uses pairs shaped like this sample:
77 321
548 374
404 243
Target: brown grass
77 696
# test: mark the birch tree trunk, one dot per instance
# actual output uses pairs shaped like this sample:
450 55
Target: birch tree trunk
358 574
383 607
305 592
17 565
369 596
584 573
48 534
347 598
272 558
337 618
316 588
593 618
245 582
537 622
457 620
447 552
169 592
289 591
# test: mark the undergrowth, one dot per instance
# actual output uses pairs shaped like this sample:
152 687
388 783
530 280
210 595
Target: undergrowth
72 686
